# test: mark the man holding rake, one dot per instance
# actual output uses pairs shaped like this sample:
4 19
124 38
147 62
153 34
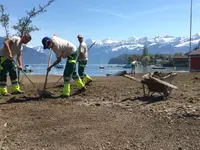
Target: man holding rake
12 47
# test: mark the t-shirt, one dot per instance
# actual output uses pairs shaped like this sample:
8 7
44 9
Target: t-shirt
133 64
16 47
83 51
62 48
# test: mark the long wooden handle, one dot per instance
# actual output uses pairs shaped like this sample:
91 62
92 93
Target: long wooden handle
164 82
24 73
49 63
91 46
50 56
133 78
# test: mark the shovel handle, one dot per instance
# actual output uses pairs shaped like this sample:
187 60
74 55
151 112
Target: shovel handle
45 82
49 63
50 56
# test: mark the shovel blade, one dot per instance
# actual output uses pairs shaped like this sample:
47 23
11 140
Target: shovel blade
44 94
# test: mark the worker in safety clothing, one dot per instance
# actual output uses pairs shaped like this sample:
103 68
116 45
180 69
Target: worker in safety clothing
64 49
133 66
82 60
12 47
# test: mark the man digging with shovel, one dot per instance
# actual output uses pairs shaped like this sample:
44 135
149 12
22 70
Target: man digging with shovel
12 47
64 49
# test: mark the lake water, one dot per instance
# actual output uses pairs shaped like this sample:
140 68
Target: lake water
94 70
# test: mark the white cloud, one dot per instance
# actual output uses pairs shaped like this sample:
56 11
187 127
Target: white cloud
165 8
196 4
110 13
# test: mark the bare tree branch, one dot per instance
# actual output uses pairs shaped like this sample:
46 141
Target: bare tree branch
24 24
4 20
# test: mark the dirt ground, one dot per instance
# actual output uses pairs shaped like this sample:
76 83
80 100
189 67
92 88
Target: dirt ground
112 114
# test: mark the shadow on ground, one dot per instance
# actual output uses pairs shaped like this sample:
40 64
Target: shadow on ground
146 99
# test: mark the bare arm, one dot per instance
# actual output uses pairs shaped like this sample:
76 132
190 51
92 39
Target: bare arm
56 62
7 44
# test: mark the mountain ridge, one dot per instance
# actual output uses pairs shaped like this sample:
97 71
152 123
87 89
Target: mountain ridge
106 49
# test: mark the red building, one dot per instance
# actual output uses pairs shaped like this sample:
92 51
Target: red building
194 60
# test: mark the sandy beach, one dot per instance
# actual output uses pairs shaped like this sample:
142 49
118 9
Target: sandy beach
112 114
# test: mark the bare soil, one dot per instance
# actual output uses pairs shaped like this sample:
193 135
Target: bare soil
112 114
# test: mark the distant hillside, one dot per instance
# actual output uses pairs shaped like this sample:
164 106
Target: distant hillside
107 49
121 59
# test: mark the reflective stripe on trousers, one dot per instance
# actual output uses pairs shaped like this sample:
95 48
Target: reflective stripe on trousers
2 59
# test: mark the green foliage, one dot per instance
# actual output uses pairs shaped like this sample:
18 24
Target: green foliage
130 59
24 24
178 54
145 60
145 51
4 20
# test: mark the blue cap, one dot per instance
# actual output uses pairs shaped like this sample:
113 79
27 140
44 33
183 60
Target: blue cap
46 42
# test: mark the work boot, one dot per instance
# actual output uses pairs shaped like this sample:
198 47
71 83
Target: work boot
4 92
79 83
88 80
16 89
66 91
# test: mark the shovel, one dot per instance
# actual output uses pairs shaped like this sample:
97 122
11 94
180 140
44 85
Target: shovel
43 93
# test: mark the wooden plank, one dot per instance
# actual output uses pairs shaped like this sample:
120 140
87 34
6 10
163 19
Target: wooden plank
170 75
146 76
133 78
164 82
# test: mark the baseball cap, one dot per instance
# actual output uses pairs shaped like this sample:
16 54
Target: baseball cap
46 42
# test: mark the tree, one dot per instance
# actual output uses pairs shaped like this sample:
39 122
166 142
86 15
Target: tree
24 24
145 51
146 60
130 59
178 54
4 20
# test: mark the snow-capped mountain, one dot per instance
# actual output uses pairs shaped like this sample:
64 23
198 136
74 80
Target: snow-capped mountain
39 49
134 43
108 48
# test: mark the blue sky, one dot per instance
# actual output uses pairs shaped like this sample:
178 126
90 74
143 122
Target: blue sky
114 19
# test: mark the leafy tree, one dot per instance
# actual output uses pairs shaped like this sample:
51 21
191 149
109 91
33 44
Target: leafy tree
130 59
145 60
178 54
4 20
24 24
145 51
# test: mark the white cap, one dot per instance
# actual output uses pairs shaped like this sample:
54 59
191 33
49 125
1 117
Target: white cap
80 36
